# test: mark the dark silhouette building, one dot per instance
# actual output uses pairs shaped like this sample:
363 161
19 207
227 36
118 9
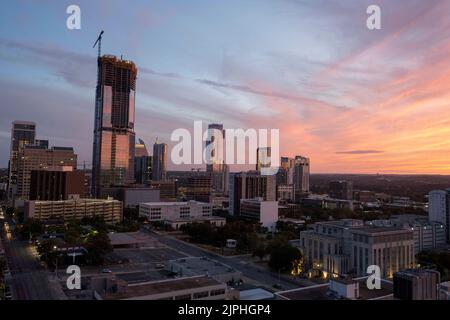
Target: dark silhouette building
57 184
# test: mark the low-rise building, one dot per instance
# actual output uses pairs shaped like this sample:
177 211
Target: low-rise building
187 288
65 210
175 224
427 234
416 284
340 289
258 210
179 213
285 192
204 266
348 247
131 197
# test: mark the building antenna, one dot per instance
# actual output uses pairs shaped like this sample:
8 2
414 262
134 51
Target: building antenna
99 41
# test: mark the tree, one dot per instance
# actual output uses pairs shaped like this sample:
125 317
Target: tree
31 227
260 251
97 245
282 255
47 251
2 266
73 233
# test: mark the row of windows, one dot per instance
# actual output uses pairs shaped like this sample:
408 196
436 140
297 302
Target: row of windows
197 295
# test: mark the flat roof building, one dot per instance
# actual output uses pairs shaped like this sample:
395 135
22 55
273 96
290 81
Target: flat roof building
66 210
258 210
188 288
204 266
57 183
340 289
416 284
348 246
39 158
160 211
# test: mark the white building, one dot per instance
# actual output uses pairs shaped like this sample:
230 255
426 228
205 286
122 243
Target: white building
427 234
348 247
179 213
264 212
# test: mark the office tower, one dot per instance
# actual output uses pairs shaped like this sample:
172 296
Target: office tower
23 133
439 209
250 185
263 158
341 190
301 176
216 166
167 189
159 167
57 183
143 169
41 143
142 163
198 188
348 247
114 137
140 149
285 174
39 158
416 284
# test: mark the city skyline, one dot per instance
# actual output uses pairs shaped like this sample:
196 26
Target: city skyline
350 99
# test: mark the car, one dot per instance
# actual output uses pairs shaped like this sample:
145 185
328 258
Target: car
8 295
160 266
106 271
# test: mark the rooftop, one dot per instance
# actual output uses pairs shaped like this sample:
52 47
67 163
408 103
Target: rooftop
201 266
322 292
375 230
193 219
163 286
173 203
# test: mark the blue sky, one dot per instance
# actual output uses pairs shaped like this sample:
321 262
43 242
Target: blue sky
334 88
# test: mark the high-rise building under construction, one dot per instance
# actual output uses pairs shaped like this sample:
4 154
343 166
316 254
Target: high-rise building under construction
114 137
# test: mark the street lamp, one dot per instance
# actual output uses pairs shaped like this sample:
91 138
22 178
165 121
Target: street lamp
56 262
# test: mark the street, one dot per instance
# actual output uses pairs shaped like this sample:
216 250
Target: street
29 279
265 277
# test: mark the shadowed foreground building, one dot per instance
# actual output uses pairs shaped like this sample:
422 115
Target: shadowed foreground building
40 158
416 284
58 183
250 185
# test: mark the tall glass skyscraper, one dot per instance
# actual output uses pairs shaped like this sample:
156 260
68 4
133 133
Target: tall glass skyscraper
114 137
159 168
216 167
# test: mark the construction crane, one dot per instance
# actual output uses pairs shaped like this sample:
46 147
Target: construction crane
99 41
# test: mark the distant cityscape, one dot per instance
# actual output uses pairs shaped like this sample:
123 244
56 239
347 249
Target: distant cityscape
139 231
206 178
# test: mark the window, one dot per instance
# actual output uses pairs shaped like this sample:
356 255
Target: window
183 297
218 292
199 295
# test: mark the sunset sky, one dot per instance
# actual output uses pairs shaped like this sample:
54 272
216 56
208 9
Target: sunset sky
353 100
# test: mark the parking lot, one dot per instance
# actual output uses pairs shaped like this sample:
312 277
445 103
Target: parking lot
150 256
